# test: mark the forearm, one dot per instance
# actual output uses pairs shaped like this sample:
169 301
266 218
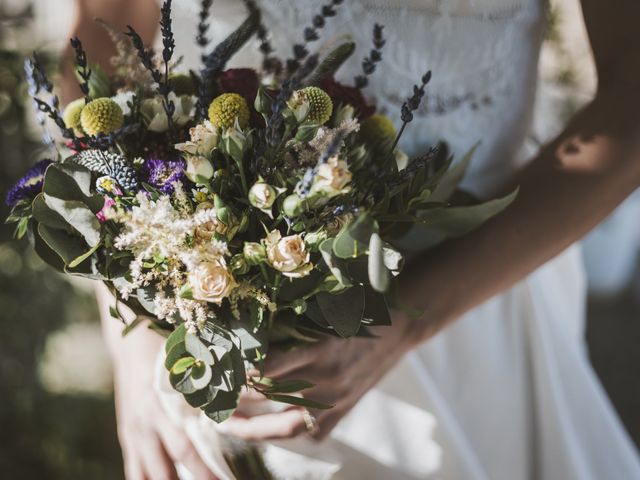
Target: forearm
143 15
569 188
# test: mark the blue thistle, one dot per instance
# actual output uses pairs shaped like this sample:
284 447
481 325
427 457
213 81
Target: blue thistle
162 174
29 185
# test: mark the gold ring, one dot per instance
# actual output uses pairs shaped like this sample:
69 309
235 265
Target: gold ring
310 421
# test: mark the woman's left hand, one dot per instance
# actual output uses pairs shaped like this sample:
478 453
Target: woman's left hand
342 371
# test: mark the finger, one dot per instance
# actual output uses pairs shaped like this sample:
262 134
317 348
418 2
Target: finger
271 426
157 463
133 467
182 450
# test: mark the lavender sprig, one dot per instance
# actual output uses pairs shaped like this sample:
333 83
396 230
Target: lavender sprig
38 80
33 88
146 58
311 34
411 105
82 67
203 25
375 56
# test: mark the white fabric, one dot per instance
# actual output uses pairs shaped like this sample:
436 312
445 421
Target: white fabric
507 392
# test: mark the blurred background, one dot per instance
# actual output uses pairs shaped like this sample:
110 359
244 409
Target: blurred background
56 406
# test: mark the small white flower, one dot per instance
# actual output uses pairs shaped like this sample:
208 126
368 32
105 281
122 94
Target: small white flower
332 178
204 139
153 111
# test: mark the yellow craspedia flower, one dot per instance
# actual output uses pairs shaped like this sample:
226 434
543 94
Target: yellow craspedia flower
320 104
102 115
377 127
227 108
71 115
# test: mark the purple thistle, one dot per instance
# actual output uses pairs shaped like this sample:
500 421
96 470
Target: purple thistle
29 185
162 174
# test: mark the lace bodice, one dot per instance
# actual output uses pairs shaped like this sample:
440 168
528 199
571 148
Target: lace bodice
483 55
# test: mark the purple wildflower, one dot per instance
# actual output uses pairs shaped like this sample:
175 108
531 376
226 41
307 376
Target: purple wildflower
162 174
29 185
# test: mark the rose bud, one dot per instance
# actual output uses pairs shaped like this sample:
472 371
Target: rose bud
239 265
254 253
293 206
199 170
262 195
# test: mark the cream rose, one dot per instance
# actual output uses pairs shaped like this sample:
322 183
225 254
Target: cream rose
204 138
207 230
211 282
288 254
332 177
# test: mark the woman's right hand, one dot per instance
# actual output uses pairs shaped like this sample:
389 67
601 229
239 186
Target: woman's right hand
151 443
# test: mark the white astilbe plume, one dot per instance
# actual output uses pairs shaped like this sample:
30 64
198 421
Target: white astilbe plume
164 229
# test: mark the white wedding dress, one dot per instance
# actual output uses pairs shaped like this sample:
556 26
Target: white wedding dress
507 392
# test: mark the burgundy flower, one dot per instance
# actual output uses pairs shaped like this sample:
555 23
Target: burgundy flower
346 95
243 81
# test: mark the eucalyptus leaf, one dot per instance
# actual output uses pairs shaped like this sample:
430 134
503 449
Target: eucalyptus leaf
222 406
333 264
378 273
343 311
288 386
353 238
452 178
182 365
46 215
68 247
376 311
198 349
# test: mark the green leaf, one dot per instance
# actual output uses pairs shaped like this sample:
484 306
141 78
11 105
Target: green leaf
376 311
343 311
176 337
353 239
222 406
299 401
131 326
452 178
288 386
263 102
198 349
457 221
333 263
177 351
68 247
182 365
78 260
68 181
146 297
78 215
378 273
46 215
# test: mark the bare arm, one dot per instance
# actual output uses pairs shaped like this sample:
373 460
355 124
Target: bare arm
568 189
143 15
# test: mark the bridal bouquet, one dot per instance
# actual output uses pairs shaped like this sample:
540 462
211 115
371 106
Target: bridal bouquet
242 210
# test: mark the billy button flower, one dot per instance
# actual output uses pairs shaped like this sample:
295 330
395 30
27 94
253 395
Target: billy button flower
102 115
311 105
228 108
71 115
377 127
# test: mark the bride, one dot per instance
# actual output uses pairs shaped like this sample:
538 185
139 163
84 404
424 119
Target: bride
493 381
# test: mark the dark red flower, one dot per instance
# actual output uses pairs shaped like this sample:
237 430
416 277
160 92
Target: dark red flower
346 95
243 81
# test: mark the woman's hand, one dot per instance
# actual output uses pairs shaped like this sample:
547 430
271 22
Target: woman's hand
342 372
151 443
